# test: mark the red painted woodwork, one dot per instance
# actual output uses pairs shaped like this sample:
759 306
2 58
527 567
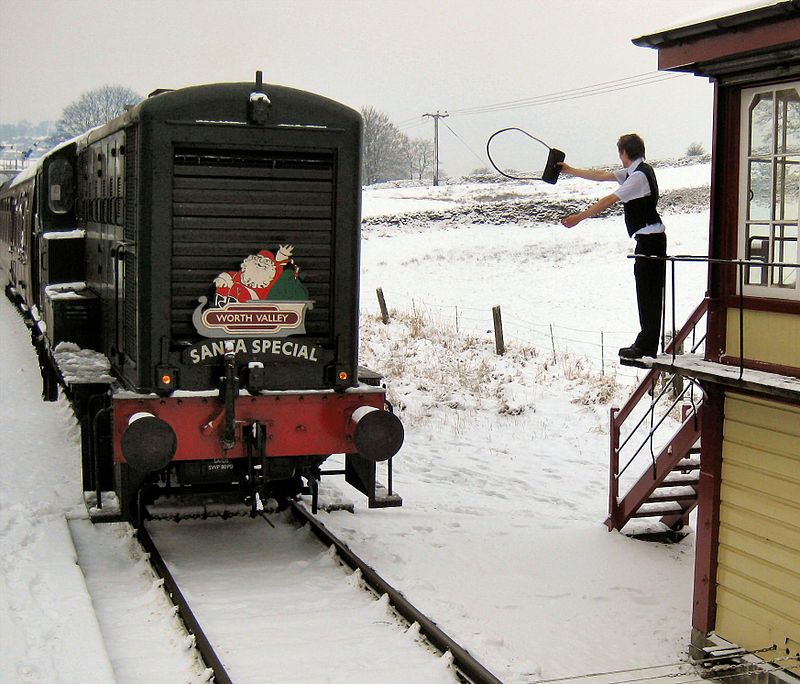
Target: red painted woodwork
747 39
707 542
296 424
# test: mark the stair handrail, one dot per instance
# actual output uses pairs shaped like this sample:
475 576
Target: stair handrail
619 415
679 338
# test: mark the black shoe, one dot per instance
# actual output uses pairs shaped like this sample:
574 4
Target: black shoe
633 352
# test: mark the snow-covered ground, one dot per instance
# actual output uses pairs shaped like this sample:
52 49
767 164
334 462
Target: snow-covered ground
504 472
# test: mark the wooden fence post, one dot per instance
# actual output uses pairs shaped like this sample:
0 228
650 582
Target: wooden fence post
499 344
602 355
382 304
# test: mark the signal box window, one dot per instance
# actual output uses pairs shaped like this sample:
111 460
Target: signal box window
770 190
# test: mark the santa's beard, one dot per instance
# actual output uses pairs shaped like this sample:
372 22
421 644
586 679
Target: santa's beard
257 271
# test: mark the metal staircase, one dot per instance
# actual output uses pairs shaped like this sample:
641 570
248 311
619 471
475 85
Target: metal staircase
666 491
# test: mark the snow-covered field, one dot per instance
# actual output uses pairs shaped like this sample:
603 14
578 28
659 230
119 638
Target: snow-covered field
503 474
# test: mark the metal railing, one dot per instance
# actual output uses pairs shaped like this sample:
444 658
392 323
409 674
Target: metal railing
647 389
741 265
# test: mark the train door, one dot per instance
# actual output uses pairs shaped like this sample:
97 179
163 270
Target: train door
21 244
13 238
35 232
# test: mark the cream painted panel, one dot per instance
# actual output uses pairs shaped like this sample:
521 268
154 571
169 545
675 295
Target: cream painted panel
758 573
768 336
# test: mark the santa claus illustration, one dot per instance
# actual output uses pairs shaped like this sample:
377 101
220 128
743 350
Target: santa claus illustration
254 280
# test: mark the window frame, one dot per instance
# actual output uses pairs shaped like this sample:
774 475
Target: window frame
771 224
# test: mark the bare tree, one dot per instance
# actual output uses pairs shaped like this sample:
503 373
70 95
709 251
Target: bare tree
417 156
422 155
93 108
382 157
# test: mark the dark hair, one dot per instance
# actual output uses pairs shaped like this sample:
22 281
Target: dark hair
632 145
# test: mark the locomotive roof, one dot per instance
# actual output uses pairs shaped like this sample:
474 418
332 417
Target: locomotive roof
227 103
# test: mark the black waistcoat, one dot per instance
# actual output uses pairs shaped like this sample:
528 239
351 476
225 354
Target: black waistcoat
641 212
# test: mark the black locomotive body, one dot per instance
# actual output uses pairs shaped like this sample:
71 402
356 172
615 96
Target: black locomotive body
206 245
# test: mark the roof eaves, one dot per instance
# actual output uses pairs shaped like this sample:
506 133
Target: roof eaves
719 25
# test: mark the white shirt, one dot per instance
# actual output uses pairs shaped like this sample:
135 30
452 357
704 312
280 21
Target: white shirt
633 186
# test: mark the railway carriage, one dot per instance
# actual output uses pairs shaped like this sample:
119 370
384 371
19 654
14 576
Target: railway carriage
189 272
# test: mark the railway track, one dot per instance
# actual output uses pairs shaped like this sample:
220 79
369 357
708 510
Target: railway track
285 594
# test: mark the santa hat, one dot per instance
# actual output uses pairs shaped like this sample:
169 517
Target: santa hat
265 254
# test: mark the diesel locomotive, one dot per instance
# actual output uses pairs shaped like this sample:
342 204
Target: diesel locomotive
189 272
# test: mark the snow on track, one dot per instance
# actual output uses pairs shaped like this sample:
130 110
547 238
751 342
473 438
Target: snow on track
134 613
279 607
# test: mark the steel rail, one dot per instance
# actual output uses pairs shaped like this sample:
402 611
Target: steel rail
467 667
465 664
193 626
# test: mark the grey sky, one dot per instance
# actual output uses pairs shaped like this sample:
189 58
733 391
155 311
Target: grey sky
404 57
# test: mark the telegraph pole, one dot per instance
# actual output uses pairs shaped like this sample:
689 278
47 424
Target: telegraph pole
436 118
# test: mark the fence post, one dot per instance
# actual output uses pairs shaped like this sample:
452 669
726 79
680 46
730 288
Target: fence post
553 342
499 345
602 355
382 304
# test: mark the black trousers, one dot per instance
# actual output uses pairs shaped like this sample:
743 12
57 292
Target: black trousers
650 275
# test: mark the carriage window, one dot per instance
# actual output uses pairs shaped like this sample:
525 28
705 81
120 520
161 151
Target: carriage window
770 190
60 182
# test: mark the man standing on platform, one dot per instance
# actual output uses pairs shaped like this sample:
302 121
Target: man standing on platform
638 192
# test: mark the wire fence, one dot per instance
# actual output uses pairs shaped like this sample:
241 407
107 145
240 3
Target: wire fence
599 348
721 664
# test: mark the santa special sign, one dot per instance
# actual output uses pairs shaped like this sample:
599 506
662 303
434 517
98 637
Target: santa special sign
264 297
265 349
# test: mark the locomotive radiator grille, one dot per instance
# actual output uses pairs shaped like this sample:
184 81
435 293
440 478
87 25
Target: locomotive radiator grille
227 205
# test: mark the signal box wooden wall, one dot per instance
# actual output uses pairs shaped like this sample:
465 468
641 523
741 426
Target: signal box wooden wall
747 568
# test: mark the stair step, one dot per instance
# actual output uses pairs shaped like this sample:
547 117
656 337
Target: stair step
667 490
676 498
648 510
686 464
680 479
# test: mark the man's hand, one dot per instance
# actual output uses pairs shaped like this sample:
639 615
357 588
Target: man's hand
571 221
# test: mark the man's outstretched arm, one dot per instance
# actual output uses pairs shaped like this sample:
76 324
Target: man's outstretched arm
588 174
597 208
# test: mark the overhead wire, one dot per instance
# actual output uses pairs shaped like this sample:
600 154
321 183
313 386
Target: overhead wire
568 91
601 88
463 142
572 94
411 123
